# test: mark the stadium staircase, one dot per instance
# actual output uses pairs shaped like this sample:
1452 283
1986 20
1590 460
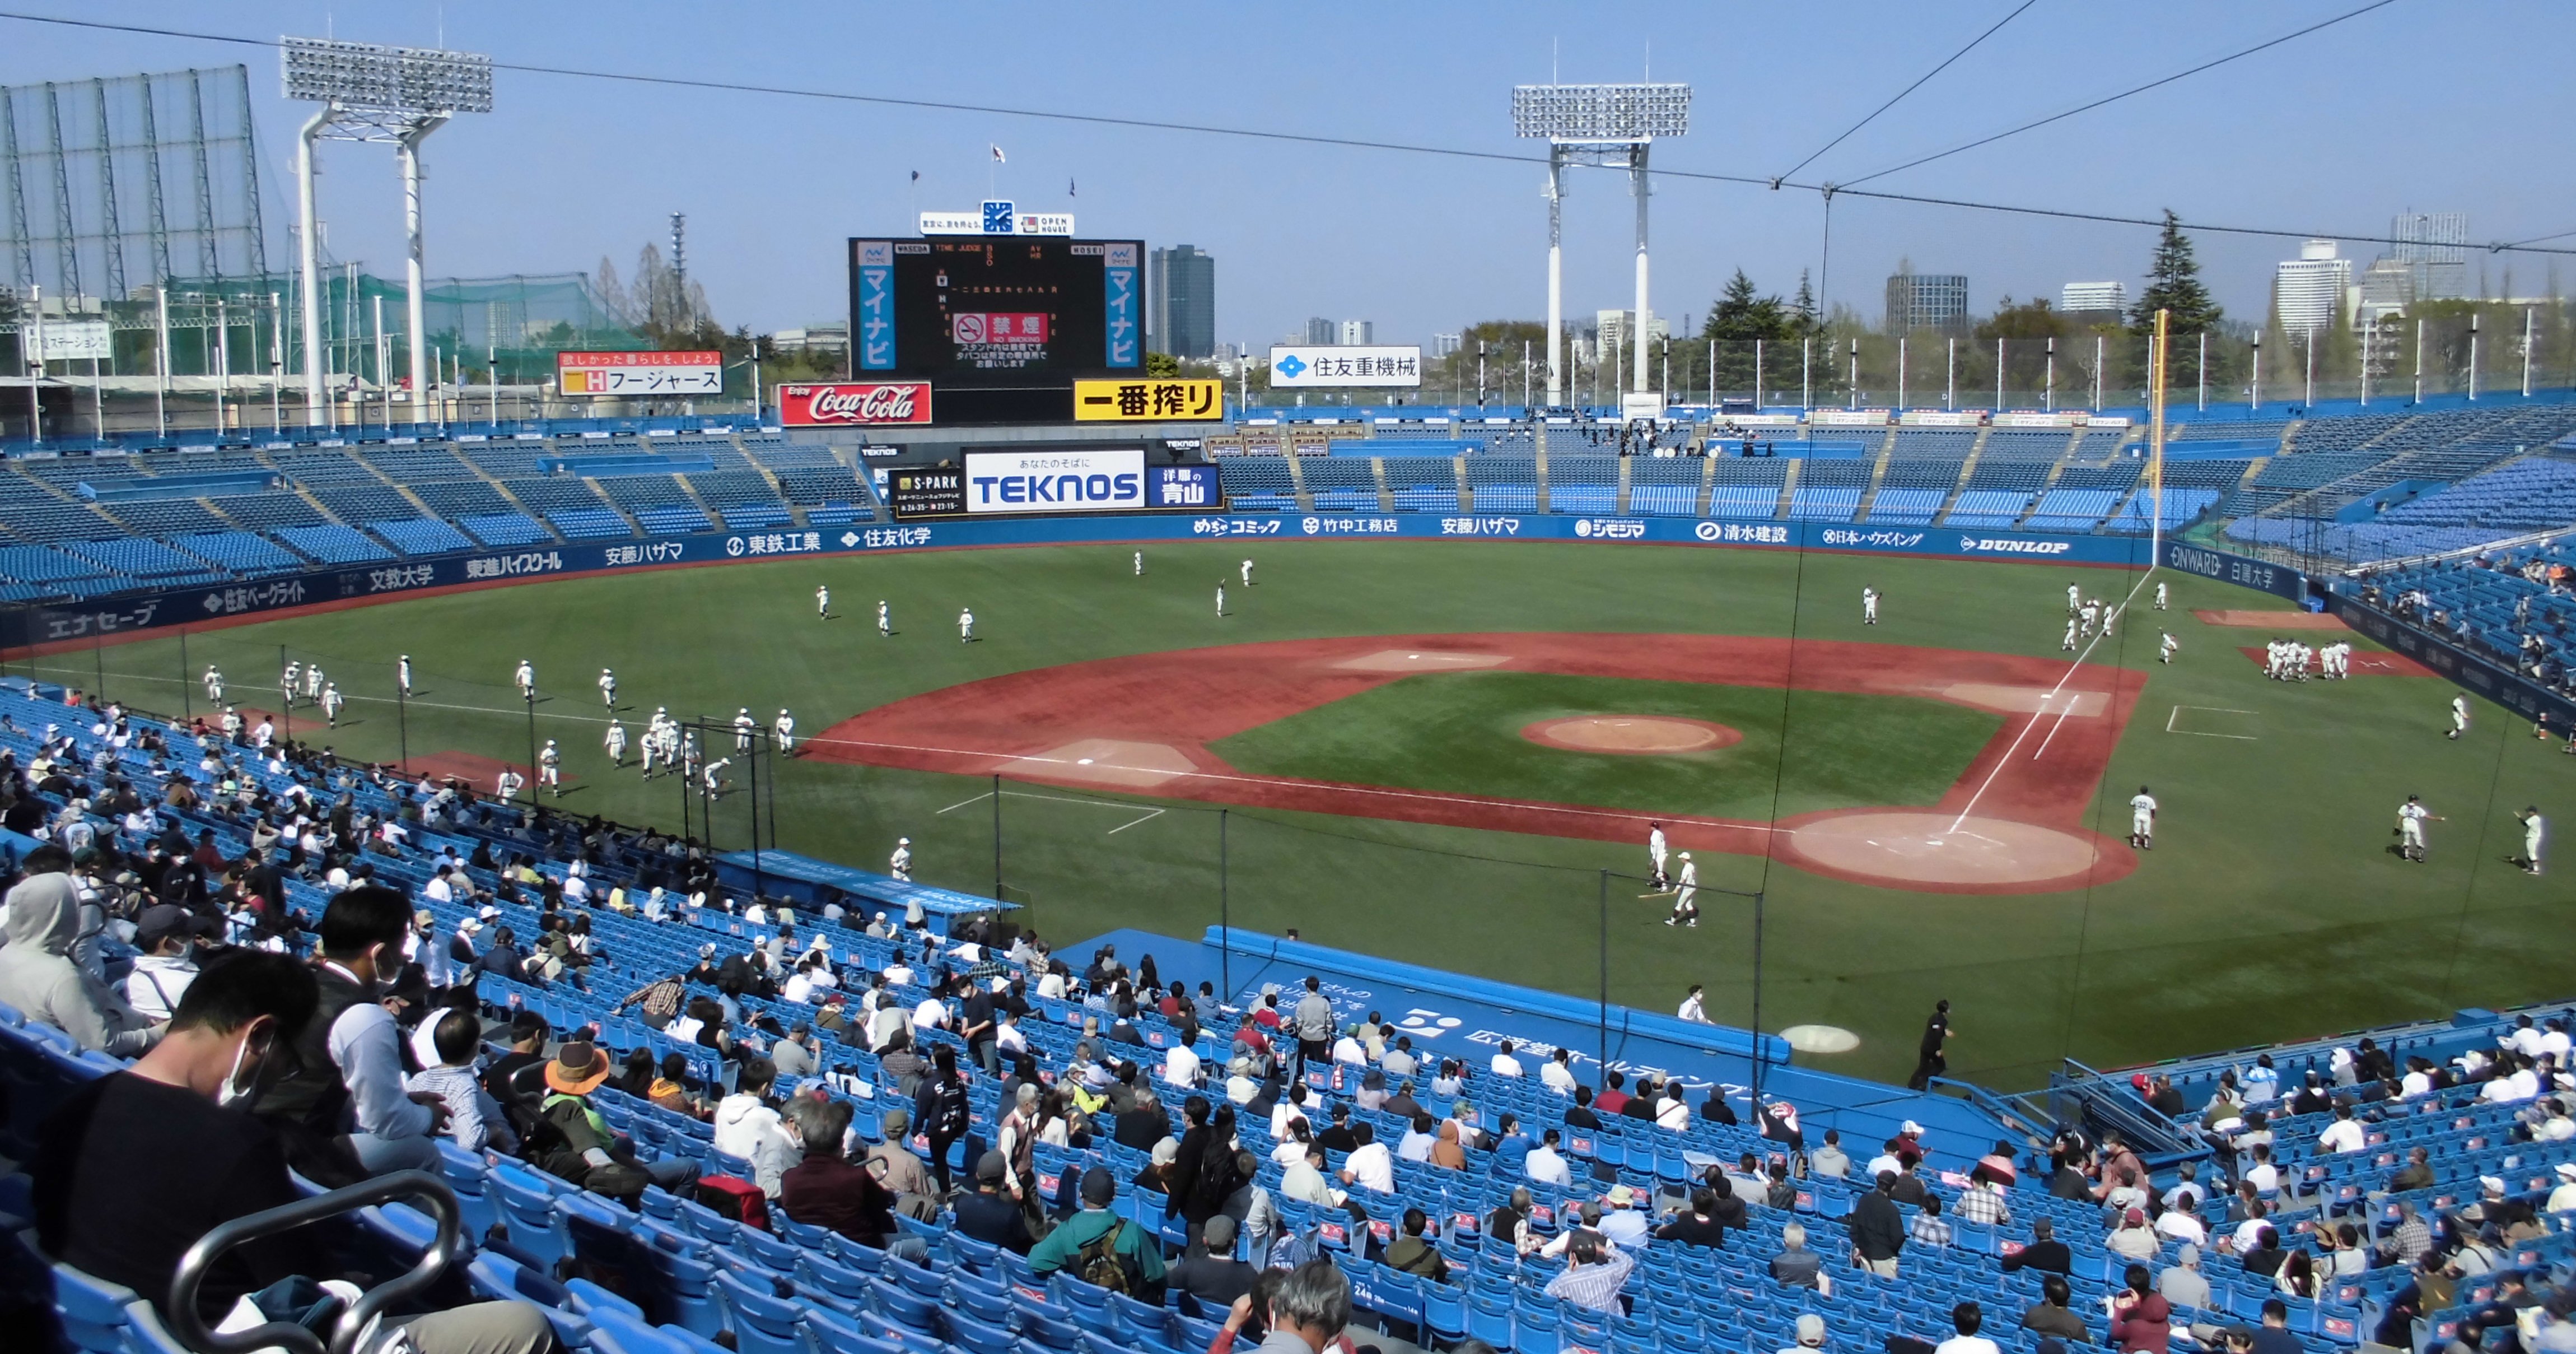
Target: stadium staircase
1385 495
1967 468
1623 486
1789 485
1297 477
1546 493
1877 476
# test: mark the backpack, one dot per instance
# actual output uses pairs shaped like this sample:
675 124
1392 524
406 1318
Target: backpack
1292 1250
1099 1264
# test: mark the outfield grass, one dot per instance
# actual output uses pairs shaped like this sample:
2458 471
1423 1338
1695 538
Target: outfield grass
2271 906
1460 733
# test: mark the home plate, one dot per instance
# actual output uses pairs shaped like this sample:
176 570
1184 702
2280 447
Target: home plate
1104 761
1820 1038
1420 660
1934 849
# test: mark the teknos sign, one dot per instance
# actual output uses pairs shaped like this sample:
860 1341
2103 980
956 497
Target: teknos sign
833 406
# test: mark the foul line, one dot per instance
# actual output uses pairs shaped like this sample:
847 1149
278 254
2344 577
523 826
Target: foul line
2213 709
1150 814
2071 670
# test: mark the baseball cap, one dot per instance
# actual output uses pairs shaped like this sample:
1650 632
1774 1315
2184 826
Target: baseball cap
2188 1255
163 920
2567 1170
989 1166
1811 1329
2136 1216
1220 1233
1099 1188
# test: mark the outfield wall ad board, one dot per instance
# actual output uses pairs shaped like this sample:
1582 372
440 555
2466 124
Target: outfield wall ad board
1107 479
639 376
1299 365
858 404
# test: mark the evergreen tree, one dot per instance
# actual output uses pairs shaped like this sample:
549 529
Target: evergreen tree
2173 284
1740 316
1802 308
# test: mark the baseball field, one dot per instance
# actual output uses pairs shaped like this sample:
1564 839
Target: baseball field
1449 753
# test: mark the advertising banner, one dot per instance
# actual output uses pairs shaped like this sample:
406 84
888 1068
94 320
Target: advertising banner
73 341
1942 418
997 218
1148 401
1848 418
856 404
1319 364
655 375
1184 486
1055 481
2033 418
925 491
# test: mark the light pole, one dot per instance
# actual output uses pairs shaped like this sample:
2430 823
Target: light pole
2204 371
2526 352
1597 126
2048 390
2309 395
2255 403
395 95
2473 357
1854 397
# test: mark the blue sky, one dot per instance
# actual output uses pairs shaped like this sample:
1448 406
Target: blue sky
2422 104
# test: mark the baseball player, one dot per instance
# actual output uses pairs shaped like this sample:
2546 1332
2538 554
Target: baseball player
2535 830
214 684
232 724
1655 850
608 688
1140 564
1220 599
743 728
966 626
885 620
2142 820
2074 598
527 680
1869 606
785 728
712 779
332 700
2091 612
402 673
690 756
1247 573
286 684
616 742
508 785
1686 900
2410 828
900 863
550 768
651 748
2167 647
823 602
313 683
2342 659
2109 614
2160 597
2459 717
2069 645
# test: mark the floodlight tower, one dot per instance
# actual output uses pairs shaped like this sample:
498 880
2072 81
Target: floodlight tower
394 95
1607 127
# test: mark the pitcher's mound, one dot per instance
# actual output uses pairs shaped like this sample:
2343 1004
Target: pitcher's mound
1923 850
1641 735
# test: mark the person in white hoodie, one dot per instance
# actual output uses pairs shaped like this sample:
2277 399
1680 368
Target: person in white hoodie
40 980
747 1127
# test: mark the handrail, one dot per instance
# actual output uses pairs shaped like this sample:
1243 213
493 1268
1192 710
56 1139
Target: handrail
190 1327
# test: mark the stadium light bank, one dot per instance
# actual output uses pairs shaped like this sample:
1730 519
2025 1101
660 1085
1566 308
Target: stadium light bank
394 95
1607 127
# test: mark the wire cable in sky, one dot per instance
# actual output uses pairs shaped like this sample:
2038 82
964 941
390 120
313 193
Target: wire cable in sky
1349 143
1918 84
2141 89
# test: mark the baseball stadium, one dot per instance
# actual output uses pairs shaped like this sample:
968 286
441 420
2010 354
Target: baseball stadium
2055 831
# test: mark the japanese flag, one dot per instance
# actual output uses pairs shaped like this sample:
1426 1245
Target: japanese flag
998 157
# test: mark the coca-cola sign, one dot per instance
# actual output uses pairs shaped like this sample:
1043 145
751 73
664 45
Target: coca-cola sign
831 406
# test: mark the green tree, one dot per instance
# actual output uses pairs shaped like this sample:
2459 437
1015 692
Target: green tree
1740 316
2174 285
1803 319
1162 365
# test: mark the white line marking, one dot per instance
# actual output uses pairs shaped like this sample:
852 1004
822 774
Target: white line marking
1150 816
964 802
2071 669
2211 709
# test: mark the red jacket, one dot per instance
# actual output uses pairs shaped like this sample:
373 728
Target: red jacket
2144 1326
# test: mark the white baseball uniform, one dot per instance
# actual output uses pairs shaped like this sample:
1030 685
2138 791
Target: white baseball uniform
2160 597
1656 849
1869 606
2142 815
616 742
2410 826
885 620
1247 573
2167 648
2534 830
965 625
786 730
823 601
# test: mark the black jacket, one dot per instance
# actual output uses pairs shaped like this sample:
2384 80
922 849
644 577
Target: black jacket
1877 1231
